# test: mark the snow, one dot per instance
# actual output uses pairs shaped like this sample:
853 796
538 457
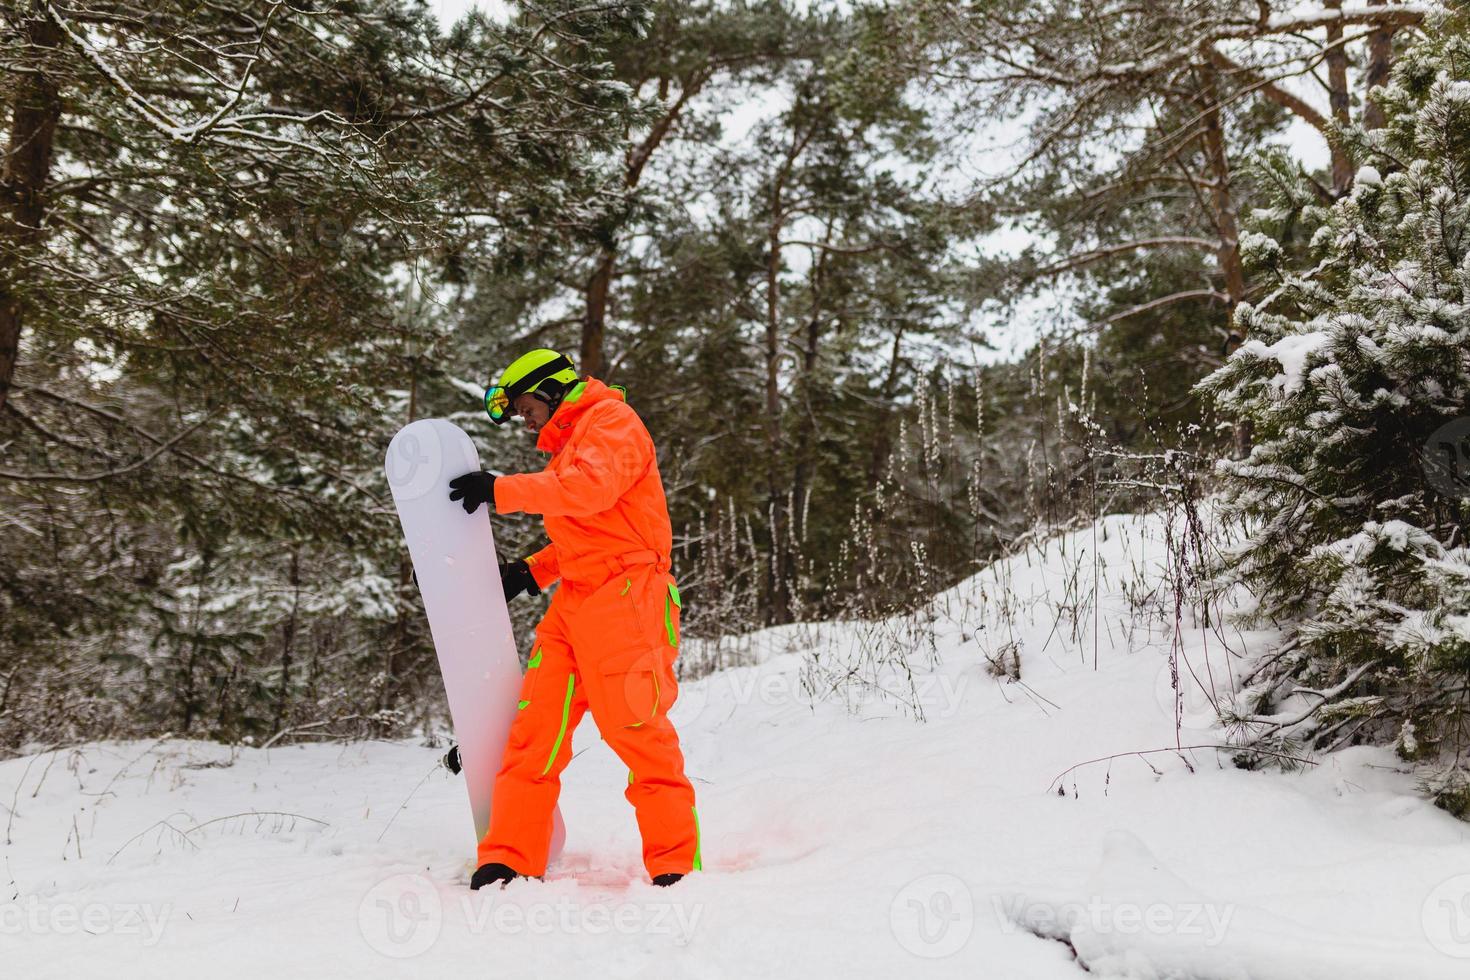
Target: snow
840 836
1290 352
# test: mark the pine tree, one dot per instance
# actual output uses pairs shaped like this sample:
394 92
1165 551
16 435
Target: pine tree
210 217
1356 377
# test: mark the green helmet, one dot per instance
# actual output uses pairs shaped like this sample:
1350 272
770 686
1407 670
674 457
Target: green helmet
542 372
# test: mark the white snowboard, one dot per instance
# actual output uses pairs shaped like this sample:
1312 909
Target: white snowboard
454 558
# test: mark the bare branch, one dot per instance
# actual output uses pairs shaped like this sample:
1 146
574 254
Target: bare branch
1269 89
109 474
1086 258
1172 298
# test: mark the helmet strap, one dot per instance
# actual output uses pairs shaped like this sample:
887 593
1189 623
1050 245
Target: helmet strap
552 399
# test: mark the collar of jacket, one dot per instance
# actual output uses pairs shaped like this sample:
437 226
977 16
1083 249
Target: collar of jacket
586 393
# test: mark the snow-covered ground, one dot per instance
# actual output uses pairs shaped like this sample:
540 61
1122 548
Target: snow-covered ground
840 836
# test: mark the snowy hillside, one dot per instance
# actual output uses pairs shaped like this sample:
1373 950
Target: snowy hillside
841 837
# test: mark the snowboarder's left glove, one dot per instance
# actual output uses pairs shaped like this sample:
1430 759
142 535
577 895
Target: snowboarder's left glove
451 760
472 490
516 577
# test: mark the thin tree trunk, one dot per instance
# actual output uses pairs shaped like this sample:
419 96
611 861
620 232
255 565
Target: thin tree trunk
288 640
1337 86
883 442
1228 253
775 568
780 611
26 172
191 679
1380 58
599 284
1223 205
388 693
804 466
594 321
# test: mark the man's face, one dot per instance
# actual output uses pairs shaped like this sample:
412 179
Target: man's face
532 410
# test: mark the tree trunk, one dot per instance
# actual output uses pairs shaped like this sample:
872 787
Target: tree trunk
779 611
1223 204
801 481
288 641
594 320
1337 87
399 635
1380 58
27 170
883 441
191 694
1228 253
779 591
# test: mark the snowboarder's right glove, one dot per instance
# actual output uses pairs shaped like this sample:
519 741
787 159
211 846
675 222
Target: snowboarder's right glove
472 490
451 760
516 577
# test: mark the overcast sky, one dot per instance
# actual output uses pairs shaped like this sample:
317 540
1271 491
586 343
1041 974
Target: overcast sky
1024 323
450 11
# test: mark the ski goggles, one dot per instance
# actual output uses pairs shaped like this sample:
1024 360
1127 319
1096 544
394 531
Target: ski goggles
497 404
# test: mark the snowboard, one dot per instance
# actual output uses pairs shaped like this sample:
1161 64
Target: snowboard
454 559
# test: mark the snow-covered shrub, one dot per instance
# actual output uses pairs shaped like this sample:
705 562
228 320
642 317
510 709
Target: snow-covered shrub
1354 378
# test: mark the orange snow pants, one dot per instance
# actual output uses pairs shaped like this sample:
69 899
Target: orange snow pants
608 645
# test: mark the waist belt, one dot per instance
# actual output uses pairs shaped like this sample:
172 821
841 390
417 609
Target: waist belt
599 568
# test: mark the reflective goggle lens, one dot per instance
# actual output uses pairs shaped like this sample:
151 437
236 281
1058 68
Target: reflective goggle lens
497 402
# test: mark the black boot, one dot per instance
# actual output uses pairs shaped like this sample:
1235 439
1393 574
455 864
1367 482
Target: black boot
667 878
489 874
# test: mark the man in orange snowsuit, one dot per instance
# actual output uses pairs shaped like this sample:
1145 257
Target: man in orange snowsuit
610 637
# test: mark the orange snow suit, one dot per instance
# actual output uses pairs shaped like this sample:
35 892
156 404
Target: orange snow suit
608 641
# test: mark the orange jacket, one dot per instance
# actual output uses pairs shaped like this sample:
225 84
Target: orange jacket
601 497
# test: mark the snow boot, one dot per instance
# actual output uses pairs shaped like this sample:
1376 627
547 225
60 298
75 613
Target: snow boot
489 874
667 878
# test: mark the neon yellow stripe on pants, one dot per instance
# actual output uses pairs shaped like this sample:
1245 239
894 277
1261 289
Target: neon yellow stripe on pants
698 864
566 711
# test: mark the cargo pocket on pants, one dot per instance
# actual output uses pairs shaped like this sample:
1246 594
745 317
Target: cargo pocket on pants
627 660
630 687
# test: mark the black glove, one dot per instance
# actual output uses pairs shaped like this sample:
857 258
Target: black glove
515 578
472 490
451 760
